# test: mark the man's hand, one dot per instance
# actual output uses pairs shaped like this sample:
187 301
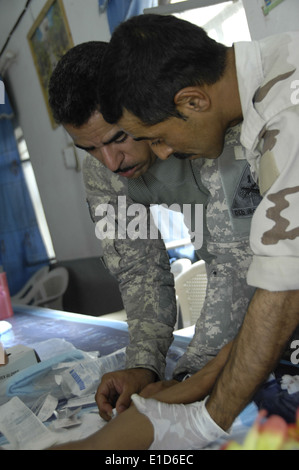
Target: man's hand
116 388
179 426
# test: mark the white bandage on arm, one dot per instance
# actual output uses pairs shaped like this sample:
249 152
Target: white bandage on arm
179 427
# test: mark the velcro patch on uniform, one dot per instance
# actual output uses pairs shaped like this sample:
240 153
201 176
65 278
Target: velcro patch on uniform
239 152
247 196
268 171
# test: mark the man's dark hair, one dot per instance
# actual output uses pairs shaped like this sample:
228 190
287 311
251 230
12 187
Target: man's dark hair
149 59
73 84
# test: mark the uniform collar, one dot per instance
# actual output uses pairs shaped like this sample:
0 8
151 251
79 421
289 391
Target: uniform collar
250 76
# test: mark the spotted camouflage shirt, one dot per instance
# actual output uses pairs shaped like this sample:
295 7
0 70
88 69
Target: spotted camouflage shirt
268 77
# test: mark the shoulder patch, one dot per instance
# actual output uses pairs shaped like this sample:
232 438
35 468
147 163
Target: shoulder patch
247 195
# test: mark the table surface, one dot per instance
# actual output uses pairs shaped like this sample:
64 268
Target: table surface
32 325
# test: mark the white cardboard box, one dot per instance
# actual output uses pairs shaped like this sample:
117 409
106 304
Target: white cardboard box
18 358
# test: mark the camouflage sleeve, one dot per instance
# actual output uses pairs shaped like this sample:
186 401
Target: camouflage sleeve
275 231
226 303
228 294
139 263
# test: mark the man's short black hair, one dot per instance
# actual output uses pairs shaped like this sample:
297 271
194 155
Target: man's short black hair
73 84
149 59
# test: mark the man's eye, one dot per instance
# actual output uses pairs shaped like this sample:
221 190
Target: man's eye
156 142
121 139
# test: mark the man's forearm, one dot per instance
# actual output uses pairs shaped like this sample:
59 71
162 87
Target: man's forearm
269 323
196 387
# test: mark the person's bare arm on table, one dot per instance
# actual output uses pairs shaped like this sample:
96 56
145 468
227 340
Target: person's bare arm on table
197 387
116 388
133 430
269 323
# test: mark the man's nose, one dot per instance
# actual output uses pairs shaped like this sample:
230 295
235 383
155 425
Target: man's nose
112 156
163 151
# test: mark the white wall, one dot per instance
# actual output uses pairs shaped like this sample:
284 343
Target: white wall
61 189
284 17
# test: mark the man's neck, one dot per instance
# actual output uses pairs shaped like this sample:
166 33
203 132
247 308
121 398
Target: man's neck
230 92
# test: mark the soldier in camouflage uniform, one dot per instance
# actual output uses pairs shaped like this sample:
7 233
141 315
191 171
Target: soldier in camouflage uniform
171 98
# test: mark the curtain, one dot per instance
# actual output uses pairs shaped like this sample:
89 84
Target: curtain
22 251
121 10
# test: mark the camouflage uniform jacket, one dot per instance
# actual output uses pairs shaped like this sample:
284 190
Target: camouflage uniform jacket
268 77
229 197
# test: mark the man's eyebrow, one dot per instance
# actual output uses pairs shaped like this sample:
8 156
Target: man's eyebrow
114 137
87 149
137 139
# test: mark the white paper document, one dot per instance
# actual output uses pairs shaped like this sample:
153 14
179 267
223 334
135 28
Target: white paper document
22 428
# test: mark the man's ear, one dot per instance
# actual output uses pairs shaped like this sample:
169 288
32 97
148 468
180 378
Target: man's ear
193 98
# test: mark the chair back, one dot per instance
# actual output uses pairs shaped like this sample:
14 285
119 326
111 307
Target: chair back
25 291
45 290
190 288
179 266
